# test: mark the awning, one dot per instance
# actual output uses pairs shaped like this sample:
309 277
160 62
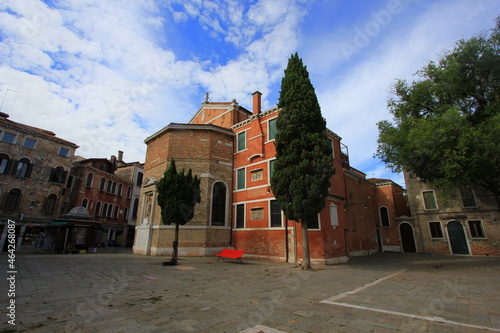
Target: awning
57 224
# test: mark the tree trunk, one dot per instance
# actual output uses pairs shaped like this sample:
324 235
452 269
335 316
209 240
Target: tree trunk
175 253
306 260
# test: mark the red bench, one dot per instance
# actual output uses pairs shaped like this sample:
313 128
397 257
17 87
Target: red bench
228 253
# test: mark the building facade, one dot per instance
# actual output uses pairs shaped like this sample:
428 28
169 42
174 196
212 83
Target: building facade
34 168
466 222
232 150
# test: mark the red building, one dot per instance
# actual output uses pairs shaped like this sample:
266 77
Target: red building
359 217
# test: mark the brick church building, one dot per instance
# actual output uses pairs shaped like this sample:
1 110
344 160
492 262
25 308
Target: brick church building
232 150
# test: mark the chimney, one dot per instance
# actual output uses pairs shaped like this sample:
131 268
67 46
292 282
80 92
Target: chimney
120 156
256 102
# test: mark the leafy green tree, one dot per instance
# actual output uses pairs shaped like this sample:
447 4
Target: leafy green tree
446 126
304 164
178 194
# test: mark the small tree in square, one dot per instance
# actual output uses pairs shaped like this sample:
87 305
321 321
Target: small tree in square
178 194
304 161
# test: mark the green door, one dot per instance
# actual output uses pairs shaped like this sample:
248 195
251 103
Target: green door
458 241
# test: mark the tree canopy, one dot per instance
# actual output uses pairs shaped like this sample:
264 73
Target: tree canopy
446 126
304 161
178 194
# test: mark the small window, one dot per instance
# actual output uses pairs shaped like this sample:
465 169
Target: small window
85 203
13 200
476 229
242 141
429 200
276 220
314 223
240 180
330 141
9 137
116 211
22 168
125 213
97 209
120 189
63 152
102 184
384 216
139 179
113 188
436 230
272 129
50 204
29 143
5 164
468 199
58 175
90 179
240 216
108 188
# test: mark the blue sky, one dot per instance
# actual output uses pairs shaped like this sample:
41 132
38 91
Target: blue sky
108 74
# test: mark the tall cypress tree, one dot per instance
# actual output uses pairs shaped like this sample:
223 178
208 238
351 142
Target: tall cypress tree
178 194
304 164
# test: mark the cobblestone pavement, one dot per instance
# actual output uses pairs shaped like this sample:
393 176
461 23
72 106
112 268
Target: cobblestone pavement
121 292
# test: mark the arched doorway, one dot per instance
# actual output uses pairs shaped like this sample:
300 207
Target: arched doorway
456 235
407 238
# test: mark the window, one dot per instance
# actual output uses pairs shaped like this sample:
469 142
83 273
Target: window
50 204
102 184
9 137
90 179
13 199
276 220
113 188
468 199
240 179
63 152
135 208
22 168
242 141
85 203
5 164
429 200
125 213
108 188
29 143
97 208
436 231
129 192
272 129
330 141
314 223
58 175
104 210
384 216
240 216
116 211
476 229
110 210
120 189
219 204
139 178
271 169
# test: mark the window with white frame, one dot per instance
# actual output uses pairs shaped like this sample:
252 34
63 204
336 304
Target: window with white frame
240 179
240 216
429 200
271 129
436 229
242 141
476 229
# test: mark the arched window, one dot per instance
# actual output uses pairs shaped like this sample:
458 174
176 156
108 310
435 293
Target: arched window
104 210
90 179
110 210
58 175
97 209
13 199
113 188
384 216
102 183
129 192
50 204
85 203
22 168
120 187
5 164
108 188
219 204
125 213
117 210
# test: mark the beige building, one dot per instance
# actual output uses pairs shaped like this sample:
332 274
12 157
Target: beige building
34 168
464 222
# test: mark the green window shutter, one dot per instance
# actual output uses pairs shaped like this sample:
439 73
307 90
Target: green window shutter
272 129
242 141
240 181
